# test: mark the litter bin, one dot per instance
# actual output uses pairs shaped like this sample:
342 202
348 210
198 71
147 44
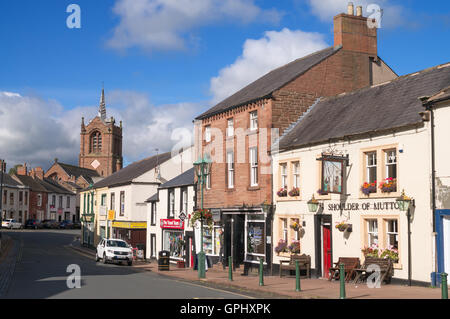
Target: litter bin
163 260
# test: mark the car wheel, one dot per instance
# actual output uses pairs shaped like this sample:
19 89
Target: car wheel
104 258
96 258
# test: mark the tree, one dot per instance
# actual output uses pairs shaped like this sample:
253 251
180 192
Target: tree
13 170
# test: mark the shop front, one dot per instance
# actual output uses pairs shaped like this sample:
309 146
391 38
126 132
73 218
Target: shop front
173 238
134 233
87 222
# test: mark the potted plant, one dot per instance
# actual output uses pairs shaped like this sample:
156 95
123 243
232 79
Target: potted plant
372 251
294 247
389 185
281 247
342 226
282 192
391 253
197 216
294 192
368 188
296 226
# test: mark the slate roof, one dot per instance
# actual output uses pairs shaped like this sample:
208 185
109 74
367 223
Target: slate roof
31 182
272 81
53 187
391 105
77 171
184 179
130 172
154 198
9 181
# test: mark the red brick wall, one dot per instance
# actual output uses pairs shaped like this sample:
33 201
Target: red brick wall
33 207
110 157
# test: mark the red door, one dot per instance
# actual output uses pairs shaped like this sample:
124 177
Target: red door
326 250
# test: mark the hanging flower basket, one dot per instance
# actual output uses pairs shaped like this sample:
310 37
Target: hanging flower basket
369 188
389 185
199 214
296 226
342 226
294 192
282 192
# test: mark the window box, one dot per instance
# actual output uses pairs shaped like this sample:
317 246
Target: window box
282 192
389 185
294 192
369 188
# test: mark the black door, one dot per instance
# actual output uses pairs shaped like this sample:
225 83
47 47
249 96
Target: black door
238 239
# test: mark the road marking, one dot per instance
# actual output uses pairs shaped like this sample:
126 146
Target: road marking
215 289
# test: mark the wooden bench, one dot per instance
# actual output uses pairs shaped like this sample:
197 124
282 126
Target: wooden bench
386 269
304 263
350 264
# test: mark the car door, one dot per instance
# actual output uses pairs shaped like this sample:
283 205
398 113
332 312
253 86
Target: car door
100 249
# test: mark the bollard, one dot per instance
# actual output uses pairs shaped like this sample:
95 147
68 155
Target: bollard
342 280
230 268
297 276
444 285
261 272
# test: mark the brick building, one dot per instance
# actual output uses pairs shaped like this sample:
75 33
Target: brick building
101 143
238 133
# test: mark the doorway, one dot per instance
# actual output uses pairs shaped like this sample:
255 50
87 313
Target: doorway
446 233
234 238
323 249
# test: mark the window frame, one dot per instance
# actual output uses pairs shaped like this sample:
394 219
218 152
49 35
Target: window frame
230 169
230 127
207 137
253 120
254 167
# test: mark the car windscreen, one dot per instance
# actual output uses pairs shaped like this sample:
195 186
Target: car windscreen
116 243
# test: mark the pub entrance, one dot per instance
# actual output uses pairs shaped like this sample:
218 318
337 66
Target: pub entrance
323 239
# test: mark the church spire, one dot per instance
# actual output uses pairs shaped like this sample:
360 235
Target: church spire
102 107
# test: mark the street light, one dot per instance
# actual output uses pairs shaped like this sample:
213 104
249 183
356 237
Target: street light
202 170
404 204
313 205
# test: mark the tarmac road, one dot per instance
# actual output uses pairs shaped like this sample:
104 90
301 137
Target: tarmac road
38 262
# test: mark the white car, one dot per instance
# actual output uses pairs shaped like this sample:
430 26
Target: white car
11 224
114 250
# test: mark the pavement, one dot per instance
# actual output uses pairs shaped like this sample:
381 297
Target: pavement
284 287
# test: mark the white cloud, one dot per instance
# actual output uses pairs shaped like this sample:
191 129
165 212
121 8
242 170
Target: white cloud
393 15
263 55
36 131
166 24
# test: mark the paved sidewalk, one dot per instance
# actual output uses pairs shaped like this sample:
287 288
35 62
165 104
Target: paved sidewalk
276 287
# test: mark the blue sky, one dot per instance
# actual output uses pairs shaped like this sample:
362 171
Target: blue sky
60 70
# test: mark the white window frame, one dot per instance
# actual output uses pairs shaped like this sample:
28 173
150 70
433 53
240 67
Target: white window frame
388 233
230 128
39 200
208 133
253 166
253 120
373 232
284 228
296 174
184 193
284 176
388 163
230 169
370 165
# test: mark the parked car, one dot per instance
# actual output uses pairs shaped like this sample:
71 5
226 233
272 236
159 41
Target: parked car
50 224
33 223
76 225
66 224
11 224
115 250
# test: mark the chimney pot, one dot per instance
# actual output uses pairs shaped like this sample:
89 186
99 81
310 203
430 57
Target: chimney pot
350 9
359 11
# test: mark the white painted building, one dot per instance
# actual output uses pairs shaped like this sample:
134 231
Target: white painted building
15 199
339 150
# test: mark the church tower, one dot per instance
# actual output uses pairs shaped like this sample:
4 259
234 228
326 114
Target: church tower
101 143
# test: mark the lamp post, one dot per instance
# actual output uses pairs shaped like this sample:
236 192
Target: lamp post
404 204
202 170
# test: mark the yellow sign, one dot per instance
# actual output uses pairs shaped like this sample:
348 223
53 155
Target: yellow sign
111 214
130 225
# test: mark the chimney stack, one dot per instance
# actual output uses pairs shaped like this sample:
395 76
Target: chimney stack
359 11
37 172
350 9
22 170
353 32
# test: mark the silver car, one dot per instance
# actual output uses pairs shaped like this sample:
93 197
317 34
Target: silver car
11 224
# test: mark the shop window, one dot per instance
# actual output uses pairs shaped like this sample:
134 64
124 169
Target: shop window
173 242
255 237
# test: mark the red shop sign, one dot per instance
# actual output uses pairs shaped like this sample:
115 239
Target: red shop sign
172 223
